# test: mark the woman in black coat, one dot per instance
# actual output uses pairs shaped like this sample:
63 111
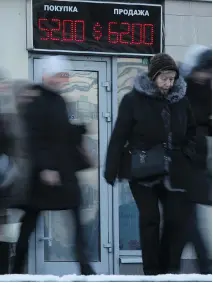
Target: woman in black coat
142 123
52 146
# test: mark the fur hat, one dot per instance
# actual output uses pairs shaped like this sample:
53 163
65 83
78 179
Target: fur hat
161 62
205 60
191 59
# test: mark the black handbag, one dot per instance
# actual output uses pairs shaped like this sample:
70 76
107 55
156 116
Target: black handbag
148 163
153 162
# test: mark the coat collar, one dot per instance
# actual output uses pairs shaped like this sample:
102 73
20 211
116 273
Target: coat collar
147 87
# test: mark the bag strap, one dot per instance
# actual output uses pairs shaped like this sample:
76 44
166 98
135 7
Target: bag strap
166 116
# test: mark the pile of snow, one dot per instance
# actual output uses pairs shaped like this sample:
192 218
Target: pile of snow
107 278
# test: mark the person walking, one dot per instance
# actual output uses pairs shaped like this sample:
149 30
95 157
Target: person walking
198 64
53 143
8 169
4 246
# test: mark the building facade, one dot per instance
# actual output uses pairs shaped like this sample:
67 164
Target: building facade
97 84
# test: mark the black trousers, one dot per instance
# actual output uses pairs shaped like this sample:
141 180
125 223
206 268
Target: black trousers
160 254
4 257
29 221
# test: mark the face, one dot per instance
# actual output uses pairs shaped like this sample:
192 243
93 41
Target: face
56 81
165 81
202 77
26 96
3 86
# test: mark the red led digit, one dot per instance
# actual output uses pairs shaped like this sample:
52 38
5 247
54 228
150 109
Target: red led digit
68 35
148 34
41 24
52 30
79 31
113 36
137 29
124 34
97 31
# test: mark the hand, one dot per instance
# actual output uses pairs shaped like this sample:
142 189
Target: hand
110 181
50 177
83 129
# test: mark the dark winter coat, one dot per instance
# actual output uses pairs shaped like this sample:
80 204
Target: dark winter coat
5 140
140 125
200 98
53 142
5 144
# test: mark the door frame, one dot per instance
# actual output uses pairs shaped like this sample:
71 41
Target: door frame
112 226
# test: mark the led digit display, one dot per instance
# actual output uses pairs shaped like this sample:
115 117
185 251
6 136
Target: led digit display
94 27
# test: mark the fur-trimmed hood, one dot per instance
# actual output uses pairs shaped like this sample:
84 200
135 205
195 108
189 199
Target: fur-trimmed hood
191 59
147 87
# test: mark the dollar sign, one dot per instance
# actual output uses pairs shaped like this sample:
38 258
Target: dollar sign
97 31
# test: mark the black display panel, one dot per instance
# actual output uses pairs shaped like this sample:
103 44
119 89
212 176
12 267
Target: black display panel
94 27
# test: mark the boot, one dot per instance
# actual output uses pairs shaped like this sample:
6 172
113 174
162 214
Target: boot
86 269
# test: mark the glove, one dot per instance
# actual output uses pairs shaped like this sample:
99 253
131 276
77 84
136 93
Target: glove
79 129
111 183
83 129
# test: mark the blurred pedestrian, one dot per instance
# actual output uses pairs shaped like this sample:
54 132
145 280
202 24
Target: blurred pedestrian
6 178
197 69
199 90
55 158
4 246
13 168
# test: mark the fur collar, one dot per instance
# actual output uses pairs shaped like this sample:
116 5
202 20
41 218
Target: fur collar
147 87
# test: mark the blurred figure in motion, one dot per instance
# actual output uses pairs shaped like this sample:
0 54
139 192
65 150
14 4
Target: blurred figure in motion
197 70
14 164
55 157
4 246
5 180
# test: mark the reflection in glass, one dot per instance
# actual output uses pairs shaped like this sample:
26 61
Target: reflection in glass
128 68
81 95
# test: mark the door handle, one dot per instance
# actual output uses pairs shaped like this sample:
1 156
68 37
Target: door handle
47 239
49 228
107 116
109 247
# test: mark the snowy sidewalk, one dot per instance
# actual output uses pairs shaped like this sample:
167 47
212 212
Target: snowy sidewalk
107 278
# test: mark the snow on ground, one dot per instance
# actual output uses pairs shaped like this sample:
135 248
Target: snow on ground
107 278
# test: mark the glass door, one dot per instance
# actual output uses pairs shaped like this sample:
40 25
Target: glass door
86 95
